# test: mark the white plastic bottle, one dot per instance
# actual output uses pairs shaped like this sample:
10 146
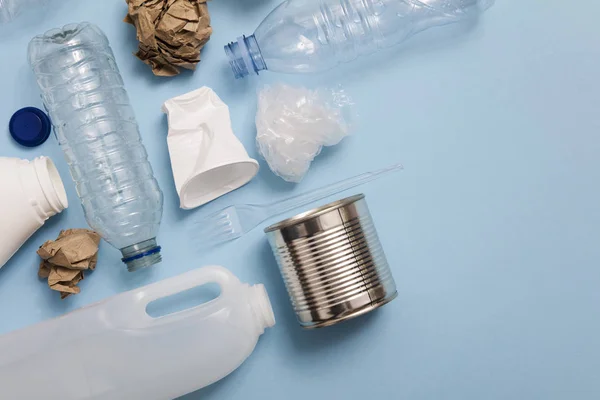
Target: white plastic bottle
32 193
114 350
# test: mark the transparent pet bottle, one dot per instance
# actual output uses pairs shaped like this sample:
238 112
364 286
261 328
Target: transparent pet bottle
303 36
96 128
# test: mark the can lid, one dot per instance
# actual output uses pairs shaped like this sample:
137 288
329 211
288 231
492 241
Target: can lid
305 216
30 126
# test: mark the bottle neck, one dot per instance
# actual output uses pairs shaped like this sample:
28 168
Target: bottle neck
141 255
261 305
245 56
43 187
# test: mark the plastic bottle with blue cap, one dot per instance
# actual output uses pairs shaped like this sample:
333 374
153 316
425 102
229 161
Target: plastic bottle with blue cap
100 138
302 36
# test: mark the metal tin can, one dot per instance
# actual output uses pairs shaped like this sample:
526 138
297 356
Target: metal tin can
332 262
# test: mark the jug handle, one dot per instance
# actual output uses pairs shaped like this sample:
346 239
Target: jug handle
201 276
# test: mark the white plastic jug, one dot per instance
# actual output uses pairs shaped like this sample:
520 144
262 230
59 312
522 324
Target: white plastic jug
32 193
115 350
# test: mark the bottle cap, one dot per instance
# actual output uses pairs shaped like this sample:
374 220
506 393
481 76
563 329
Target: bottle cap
30 126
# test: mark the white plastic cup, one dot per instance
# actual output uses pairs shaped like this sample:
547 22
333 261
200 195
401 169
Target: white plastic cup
208 160
32 193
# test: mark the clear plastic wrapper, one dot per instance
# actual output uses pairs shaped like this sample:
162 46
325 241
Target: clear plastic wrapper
294 123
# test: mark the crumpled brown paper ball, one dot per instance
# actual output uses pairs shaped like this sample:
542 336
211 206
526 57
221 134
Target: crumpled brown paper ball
65 259
171 33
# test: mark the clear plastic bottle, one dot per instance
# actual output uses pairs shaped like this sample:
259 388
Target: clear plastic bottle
95 125
302 36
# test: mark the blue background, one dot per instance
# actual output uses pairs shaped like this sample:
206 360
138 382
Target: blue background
492 230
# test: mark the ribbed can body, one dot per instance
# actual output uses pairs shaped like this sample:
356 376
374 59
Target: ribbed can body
332 262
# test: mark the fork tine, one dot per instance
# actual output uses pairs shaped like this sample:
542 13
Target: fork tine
227 234
215 240
210 218
223 228
216 231
214 228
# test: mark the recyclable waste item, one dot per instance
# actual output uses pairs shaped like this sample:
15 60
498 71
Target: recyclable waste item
294 123
171 33
30 126
235 221
332 262
32 193
303 36
207 158
115 350
96 127
65 259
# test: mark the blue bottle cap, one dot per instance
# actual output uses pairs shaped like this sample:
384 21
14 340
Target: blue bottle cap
30 126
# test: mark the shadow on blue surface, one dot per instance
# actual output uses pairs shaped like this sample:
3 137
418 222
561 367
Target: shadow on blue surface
243 7
234 87
28 19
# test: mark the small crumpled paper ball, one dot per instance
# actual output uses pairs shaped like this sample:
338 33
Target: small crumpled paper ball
171 33
65 259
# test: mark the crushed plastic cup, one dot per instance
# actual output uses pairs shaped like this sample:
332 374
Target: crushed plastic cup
207 158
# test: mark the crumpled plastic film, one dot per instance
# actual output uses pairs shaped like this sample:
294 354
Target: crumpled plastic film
294 123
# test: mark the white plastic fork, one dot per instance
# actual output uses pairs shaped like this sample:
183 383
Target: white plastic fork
234 221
